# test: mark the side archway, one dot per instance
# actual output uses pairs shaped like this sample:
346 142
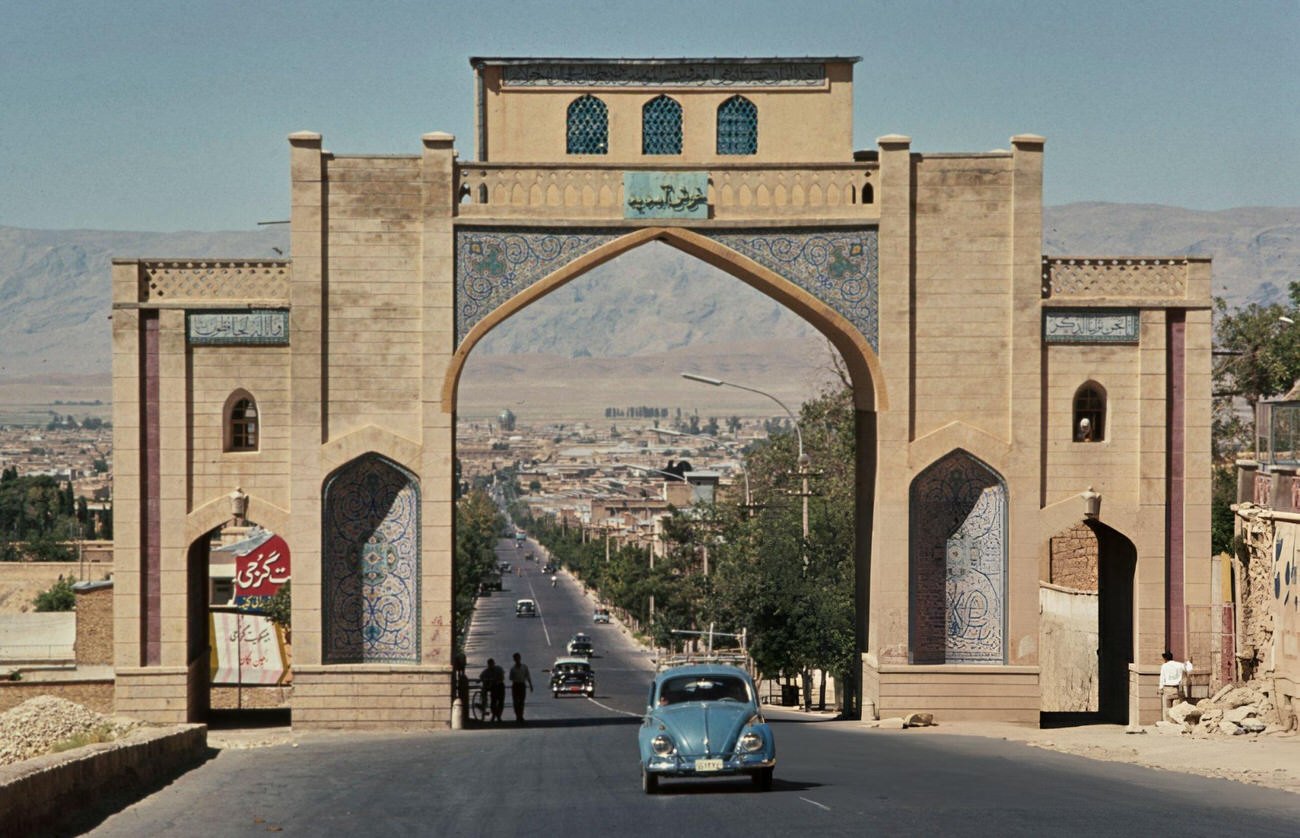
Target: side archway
958 563
370 563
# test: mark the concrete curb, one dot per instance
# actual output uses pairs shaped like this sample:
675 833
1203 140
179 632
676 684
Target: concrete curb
39 794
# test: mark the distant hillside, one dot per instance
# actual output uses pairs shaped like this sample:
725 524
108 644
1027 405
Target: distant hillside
1256 250
56 290
55 286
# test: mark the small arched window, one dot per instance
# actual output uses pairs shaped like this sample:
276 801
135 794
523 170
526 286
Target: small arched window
587 127
737 126
661 126
241 423
1089 413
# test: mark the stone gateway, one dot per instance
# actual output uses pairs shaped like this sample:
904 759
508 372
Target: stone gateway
1005 401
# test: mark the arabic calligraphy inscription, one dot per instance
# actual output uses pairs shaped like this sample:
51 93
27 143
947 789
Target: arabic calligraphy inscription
665 195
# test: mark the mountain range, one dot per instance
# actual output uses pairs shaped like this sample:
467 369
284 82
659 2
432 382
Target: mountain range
653 303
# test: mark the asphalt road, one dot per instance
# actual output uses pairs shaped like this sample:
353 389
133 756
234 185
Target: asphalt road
571 770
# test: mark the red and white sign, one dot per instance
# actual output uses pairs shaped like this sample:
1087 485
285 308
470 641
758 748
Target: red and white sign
261 571
247 649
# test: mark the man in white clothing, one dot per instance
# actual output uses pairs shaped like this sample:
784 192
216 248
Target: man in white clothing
1172 674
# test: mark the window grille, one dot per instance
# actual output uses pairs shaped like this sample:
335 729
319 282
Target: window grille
588 127
661 126
737 126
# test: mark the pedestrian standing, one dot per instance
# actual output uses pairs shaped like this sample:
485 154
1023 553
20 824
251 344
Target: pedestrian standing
1172 675
520 679
493 679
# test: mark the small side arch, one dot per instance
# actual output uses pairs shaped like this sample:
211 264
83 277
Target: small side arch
958 563
240 428
1089 412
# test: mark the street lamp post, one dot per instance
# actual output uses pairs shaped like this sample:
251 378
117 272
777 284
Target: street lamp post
803 458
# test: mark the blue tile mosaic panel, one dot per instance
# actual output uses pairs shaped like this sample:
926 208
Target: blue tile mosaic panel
370 564
839 268
255 327
958 511
692 74
494 265
665 194
661 126
737 126
587 127
1093 325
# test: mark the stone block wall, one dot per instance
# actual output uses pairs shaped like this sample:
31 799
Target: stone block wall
1073 559
94 643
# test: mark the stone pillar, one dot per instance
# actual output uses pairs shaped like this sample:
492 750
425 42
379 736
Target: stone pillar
887 621
1025 418
1246 471
438 169
309 395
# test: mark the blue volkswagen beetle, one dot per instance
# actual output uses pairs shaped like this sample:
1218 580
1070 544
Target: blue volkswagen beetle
703 720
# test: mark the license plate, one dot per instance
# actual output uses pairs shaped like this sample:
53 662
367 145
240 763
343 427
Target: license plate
708 765
575 689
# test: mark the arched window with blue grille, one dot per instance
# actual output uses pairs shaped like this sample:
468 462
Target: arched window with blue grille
737 126
588 127
661 126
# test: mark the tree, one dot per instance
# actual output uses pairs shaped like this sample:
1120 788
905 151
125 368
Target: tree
60 597
1257 356
279 608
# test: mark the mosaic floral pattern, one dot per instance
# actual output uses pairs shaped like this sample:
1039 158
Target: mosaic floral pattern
370 570
494 265
840 268
958 563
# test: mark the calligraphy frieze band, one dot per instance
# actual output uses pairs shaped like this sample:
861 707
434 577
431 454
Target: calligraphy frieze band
258 327
1090 326
701 74
665 195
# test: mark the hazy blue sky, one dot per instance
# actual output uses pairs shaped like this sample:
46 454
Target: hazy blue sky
173 115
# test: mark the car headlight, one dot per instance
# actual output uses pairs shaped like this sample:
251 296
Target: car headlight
751 741
662 745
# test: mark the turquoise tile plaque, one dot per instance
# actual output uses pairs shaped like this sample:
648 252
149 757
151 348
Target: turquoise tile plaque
665 195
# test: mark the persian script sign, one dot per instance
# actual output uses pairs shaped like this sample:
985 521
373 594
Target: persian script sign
695 74
259 327
247 649
665 195
1090 326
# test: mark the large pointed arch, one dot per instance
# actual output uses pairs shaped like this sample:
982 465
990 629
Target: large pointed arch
862 362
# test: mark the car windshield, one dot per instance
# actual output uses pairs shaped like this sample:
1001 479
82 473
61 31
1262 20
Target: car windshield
571 668
703 688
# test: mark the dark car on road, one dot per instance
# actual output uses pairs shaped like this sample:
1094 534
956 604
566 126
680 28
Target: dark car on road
580 646
550 567
491 581
572 676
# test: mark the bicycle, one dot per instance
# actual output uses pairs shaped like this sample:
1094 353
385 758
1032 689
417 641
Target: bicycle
478 704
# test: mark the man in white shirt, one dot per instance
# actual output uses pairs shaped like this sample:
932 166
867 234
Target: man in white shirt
1172 674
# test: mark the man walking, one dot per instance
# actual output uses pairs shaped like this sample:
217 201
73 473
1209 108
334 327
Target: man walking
1172 674
519 677
494 684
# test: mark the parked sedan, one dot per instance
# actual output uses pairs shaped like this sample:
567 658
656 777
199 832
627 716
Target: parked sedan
572 676
703 720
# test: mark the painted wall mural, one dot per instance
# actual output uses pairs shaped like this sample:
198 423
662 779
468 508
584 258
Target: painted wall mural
839 268
370 571
958 563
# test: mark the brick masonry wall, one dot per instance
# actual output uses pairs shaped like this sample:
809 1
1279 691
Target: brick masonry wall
97 695
1074 557
94 644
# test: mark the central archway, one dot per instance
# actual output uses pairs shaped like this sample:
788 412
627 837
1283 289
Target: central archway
836 296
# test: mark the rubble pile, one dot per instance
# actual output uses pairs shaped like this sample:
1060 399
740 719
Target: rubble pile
1234 710
38 724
